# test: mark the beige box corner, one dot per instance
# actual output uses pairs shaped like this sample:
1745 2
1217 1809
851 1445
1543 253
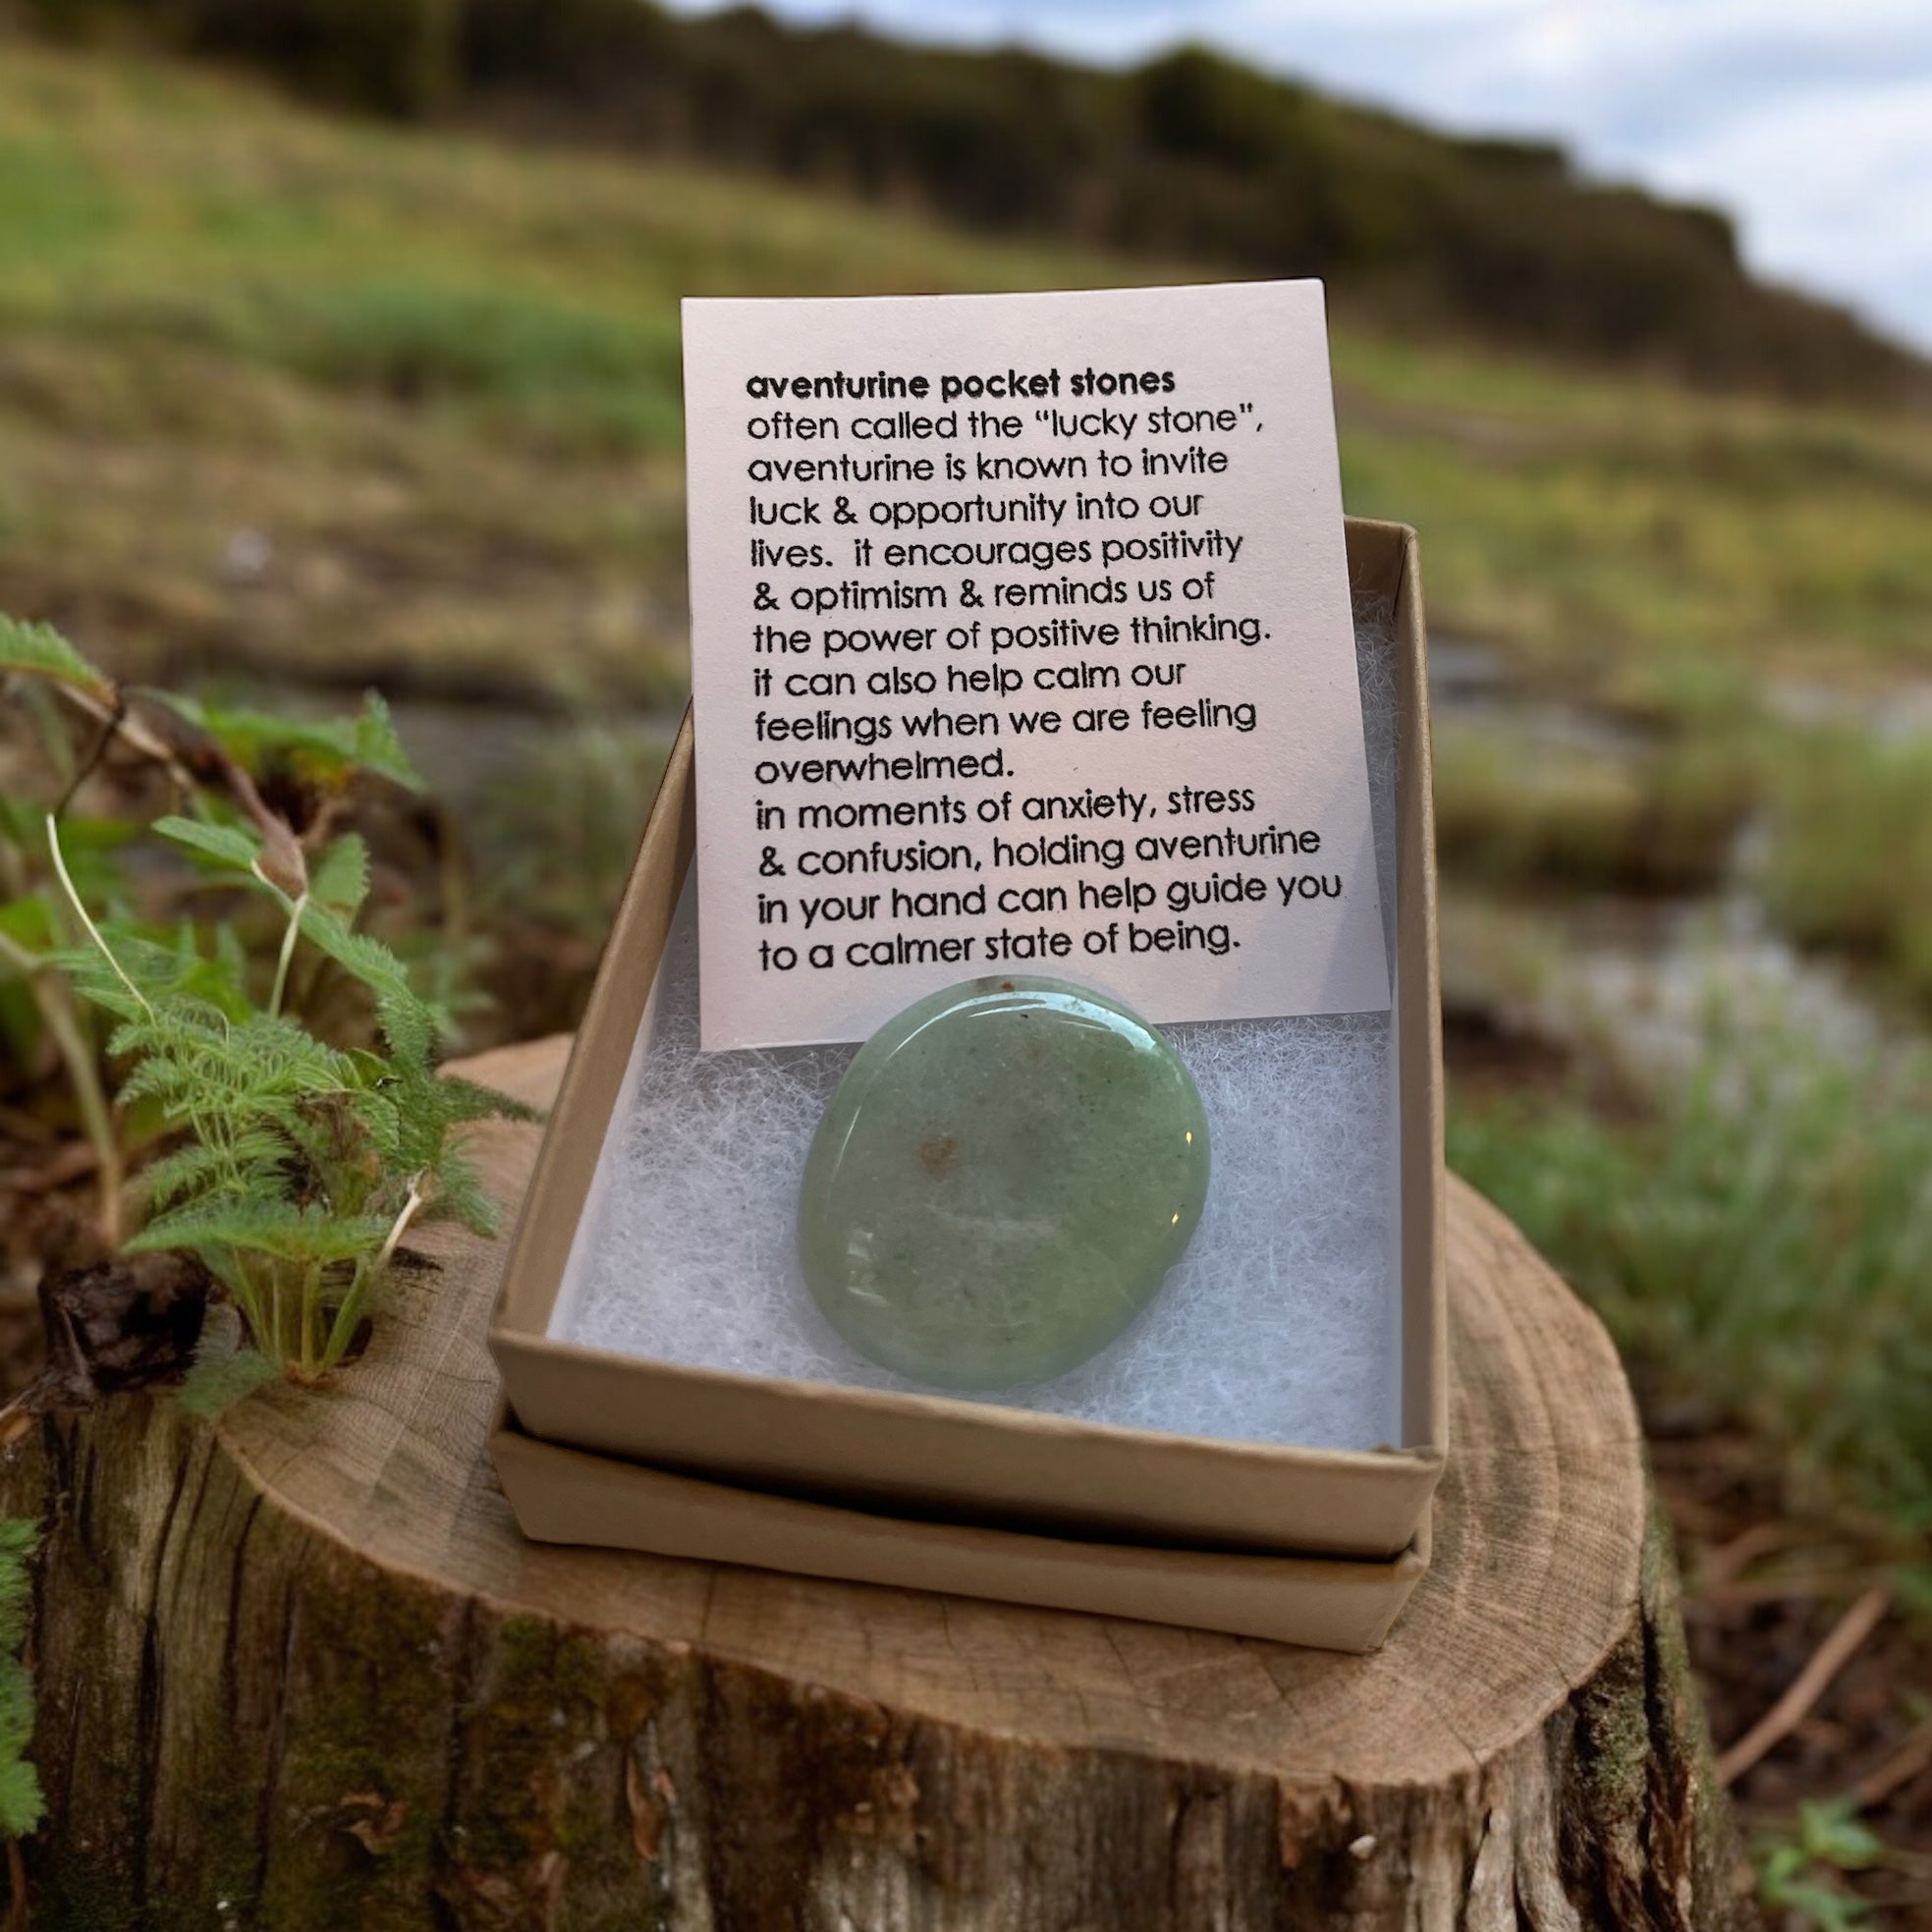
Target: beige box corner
1308 1545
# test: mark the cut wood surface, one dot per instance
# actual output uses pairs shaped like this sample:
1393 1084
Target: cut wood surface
299 1669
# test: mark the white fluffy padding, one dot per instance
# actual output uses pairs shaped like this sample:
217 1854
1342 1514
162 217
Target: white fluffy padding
1281 1323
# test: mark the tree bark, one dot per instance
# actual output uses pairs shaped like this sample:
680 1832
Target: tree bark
297 1670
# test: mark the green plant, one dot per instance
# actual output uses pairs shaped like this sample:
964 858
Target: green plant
30 921
299 1163
563 825
305 1164
222 755
1797 1869
1763 1245
21 1801
1850 849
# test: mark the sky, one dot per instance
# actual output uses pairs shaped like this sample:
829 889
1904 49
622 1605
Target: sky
1808 121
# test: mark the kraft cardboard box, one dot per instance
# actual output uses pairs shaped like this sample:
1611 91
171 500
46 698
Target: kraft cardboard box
1308 1545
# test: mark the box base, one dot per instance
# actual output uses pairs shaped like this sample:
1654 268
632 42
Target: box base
571 1496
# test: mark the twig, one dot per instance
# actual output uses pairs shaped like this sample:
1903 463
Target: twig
87 926
1831 1657
1901 1768
117 722
17 1121
74 1159
110 724
1761 1539
280 847
1788 1587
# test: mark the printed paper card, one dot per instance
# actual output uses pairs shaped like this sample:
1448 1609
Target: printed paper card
1021 643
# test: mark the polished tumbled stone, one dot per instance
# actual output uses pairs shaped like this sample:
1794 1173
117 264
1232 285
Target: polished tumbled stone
1001 1182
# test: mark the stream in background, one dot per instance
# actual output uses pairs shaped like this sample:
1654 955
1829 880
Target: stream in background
1630 977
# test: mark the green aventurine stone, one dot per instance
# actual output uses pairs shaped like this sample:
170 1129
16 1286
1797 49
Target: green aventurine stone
1001 1182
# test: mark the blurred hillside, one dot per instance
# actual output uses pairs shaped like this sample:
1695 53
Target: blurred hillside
336 400
1191 155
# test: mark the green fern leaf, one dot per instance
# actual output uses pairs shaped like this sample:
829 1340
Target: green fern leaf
159 971
377 746
227 845
38 650
326 751
250 1156
97 982
469 1100
379 1112
226 1082
460 1197
409 1024
23 1805
183 1172
20 1537
263 1227
340 879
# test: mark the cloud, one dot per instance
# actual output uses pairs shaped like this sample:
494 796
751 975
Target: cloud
1809 120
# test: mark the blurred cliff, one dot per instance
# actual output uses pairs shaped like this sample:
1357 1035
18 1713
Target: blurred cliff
1190 155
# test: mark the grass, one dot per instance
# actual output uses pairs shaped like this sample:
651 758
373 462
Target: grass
1606 530
1843 863
562 828
1761 1250
1850 859
1515 809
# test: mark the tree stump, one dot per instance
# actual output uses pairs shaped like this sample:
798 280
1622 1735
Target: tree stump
298 1669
